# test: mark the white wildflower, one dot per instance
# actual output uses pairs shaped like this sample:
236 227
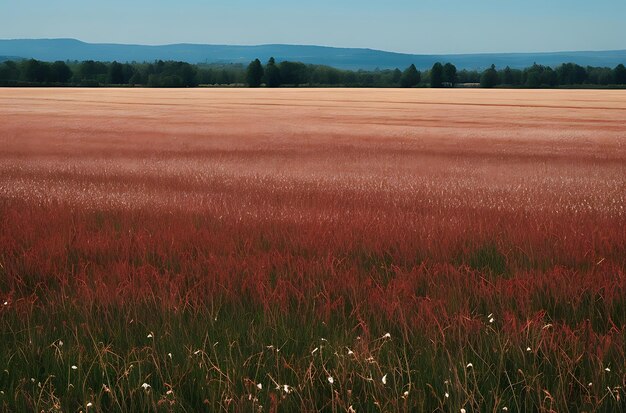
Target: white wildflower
350 352
447 395
74 368
590 384
89 404
505 409
259 386
150 335
146 386
528 349
387 335
491 320
469 365
331 380
384 379
406 394
169 355
607 369
286 388
60 344
463 410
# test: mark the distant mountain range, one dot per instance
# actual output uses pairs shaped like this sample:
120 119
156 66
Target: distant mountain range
345 58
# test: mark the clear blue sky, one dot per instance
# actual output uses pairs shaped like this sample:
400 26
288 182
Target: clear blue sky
418 26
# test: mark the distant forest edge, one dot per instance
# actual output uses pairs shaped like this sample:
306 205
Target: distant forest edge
160 73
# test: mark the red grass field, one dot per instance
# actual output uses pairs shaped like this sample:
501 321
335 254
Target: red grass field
474 226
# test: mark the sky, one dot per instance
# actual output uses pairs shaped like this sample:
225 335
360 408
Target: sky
418 26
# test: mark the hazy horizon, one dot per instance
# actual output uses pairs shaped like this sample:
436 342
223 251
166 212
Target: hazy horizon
426 27
308 44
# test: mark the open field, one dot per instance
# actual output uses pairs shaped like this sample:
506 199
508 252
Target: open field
430 250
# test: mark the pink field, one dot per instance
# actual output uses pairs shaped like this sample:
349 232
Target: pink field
422 212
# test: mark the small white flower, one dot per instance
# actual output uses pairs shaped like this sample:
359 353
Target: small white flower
406 394
590 384
259 386
387 335
447 395
6 303
331 380
505 409
463 410
146 386
286 388
528 349
469 365
384 379
607 369
150 335
315 350
169 392
74 368
89 404
60 343
169 355
491 320
350 352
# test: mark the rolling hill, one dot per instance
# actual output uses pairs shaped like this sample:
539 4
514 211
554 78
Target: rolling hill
346 58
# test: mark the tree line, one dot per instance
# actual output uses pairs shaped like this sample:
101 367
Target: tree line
293 74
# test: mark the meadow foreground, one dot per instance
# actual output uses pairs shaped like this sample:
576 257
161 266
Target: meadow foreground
312 250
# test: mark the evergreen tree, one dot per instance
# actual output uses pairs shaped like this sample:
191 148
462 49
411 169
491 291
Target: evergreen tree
411 77
254 74
449 74
60 72
436 75
489 77
272 73
116 73
619 74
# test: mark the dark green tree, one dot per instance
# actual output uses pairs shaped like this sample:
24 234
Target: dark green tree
449 74
60 72
619 74
36 71
571 74
396 76
507 76
9 71
293 73
254 73
489 78
272 73
436 75
410 77
116 73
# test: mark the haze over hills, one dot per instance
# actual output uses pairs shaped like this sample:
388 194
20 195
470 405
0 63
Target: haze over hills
345 58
